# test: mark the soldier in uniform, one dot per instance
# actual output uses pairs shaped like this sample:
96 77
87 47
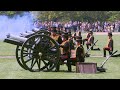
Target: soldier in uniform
77 33
70 40
91 41
109 46
80 53
55 36
65 52
87 37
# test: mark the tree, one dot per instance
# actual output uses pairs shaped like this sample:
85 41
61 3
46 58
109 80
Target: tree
12 13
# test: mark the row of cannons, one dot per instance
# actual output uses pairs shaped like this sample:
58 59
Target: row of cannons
37 51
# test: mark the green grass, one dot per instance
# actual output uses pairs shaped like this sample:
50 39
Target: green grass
7 49
10 69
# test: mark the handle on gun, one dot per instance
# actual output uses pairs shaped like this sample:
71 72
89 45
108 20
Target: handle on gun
114 52
91 46
95 42
108 58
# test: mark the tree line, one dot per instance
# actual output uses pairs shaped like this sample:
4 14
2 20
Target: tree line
89 16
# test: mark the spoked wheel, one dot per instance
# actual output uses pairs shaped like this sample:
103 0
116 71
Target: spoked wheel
40 53
18 56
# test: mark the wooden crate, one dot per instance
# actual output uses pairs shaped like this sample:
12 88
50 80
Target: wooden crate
86 67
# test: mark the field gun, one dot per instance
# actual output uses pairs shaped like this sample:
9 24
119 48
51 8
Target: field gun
35 51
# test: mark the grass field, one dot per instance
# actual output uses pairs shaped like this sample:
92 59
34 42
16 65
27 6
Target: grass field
10 69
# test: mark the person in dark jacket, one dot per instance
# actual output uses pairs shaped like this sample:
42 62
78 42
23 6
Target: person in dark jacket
65 52
80 53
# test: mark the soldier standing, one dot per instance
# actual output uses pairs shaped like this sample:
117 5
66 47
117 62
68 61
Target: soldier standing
65 53
80 53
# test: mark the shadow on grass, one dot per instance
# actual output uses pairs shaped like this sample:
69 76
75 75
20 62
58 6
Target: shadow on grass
64 71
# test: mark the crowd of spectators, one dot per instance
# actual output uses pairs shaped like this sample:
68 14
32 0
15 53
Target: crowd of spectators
82 26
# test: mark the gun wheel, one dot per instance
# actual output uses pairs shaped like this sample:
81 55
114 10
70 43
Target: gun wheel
18 57
40 53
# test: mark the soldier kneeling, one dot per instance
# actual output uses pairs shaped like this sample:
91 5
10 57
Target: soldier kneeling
109 46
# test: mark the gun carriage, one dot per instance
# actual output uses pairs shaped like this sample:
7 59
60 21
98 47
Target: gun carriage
35 51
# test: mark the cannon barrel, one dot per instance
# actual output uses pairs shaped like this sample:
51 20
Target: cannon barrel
29 32
24 34
35 29
16 40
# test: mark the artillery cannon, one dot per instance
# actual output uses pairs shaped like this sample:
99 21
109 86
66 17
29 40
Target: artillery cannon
36 51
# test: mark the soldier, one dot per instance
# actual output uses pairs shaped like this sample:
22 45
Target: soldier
109 46
55 36
91 41
70 40
80 53
77 33
65 53
86 39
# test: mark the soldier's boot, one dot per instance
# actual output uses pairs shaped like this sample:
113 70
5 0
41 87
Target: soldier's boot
57 69
83 41
110 52
104 51
69 66
92 48
87 46
117 55
96 49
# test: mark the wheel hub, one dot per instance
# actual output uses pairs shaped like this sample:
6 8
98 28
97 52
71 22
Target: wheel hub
40 54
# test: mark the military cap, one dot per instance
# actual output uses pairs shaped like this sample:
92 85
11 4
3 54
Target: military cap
79 39
69 34
55 31
91 32
65 35
110 34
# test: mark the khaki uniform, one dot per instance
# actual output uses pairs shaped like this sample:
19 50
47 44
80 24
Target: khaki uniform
65 47
80 53
57 38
